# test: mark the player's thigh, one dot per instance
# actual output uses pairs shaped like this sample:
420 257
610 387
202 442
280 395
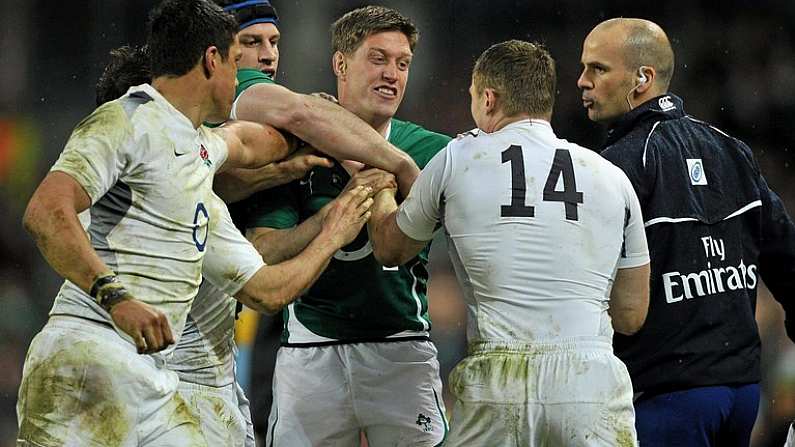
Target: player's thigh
398 392
690 417
219 416
76 389
311 399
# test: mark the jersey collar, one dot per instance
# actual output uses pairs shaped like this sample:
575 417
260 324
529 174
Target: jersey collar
661 108
179 126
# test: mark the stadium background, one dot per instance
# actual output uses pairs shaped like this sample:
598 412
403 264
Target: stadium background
735 67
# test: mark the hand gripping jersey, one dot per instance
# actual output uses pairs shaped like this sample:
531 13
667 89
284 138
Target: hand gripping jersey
149 174
356 298
713 226
536 227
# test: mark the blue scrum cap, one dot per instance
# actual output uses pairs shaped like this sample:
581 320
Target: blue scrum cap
249 12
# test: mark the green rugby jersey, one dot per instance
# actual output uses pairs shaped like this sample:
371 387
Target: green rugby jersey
356 298
246 77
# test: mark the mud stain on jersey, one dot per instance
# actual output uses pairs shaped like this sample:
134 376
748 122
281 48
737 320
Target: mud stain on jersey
69 394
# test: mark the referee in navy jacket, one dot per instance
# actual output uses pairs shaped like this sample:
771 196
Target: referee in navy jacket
714 230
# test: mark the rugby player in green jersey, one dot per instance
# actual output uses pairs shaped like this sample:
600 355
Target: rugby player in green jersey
356 355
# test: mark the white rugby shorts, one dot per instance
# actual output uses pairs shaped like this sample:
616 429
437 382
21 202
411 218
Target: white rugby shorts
327 395
574 393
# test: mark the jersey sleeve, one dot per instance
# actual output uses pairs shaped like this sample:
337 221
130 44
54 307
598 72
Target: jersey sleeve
777 253
419 215
219 151
272 208
635 250
94 154
231 260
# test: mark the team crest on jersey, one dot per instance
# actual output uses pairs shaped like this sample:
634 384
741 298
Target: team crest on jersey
695 169
205 156
424 422
666 104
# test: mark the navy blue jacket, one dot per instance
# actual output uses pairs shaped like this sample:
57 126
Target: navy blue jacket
713 228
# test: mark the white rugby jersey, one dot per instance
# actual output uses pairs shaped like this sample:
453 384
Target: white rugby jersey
205 353
536 228
149 175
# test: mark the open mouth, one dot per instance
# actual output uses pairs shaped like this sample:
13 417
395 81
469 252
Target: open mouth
269 71
587 103
386 91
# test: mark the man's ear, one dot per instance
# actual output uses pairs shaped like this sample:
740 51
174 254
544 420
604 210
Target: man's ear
490 100
338 64
209 61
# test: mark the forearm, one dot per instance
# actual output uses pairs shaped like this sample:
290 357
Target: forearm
326 126
280 245
275 286
240 183
63 242
390 246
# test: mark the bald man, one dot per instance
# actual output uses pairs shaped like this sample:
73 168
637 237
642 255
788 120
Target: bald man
713 226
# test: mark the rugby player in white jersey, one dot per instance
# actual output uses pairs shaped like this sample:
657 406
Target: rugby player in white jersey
141 168
547 241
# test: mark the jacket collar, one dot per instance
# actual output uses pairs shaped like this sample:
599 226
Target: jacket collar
661 108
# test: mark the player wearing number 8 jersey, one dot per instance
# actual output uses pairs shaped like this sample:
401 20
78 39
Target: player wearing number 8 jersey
547 242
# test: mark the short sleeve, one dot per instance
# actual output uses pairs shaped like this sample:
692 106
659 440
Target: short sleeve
231 261
419 215
635 250
215 145
94 155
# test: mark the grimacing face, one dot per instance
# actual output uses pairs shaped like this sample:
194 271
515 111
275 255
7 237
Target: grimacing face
375 76
260 46
605 81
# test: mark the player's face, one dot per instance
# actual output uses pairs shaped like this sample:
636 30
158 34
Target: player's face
605 80
260 45
225 82
375 76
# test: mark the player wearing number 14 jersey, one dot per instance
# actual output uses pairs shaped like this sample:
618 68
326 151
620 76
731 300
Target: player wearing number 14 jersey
547 242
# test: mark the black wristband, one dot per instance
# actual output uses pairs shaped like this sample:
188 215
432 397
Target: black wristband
111 294
102 280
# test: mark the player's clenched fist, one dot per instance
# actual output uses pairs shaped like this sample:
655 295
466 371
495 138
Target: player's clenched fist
147 326
347 215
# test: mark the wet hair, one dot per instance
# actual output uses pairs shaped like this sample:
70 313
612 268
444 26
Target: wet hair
350 30
521 73
180 31
128 66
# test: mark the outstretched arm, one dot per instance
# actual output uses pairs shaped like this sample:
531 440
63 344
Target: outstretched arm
391 246
252 145
275 286
326 126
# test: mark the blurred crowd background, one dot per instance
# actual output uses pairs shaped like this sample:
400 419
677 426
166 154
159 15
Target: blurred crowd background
735 67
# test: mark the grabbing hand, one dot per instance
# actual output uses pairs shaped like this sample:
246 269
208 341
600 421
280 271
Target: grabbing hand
300 162
347 215
147 326
374 178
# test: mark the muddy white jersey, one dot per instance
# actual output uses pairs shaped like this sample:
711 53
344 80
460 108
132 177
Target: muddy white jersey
149 175
536 228
206 351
